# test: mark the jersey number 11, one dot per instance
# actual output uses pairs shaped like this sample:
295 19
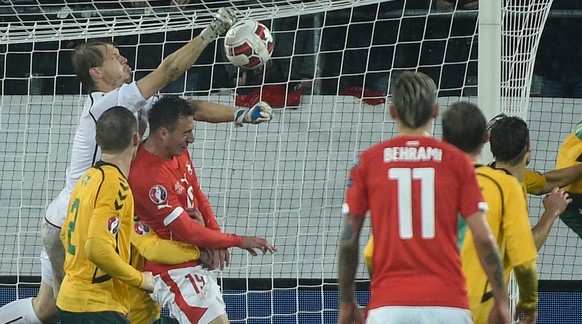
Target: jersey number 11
404 178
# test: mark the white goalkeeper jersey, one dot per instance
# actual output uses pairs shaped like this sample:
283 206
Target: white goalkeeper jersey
85 151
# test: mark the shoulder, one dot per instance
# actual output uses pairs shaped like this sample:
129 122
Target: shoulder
532 175
505 181
113 178
145 176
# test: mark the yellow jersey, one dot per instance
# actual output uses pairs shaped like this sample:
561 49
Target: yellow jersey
96 237
570 154
509 222
533 181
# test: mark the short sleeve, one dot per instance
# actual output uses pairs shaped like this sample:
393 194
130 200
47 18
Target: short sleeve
356 201
470 197
576 152
534 181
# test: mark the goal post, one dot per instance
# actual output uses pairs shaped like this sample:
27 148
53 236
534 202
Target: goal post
285 180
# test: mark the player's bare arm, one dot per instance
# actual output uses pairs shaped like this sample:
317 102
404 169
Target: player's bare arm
347 266
348 256
554 205
218 113
177 63
560 178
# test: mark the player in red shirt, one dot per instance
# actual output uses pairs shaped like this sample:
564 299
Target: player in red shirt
166 192
414 186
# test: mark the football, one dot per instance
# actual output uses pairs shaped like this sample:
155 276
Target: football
248 44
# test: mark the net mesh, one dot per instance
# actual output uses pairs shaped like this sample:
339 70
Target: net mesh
330 75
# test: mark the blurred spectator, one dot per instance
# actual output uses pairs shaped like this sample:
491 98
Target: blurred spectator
456 4
449 52
558 60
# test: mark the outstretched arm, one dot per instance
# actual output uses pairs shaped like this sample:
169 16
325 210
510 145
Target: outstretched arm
156 249
561 177
177 63
218 113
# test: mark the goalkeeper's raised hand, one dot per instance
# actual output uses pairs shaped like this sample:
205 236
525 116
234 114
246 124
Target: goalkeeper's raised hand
260 113
223 20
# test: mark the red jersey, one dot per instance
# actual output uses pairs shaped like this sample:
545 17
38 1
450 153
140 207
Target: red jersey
415 188
164 190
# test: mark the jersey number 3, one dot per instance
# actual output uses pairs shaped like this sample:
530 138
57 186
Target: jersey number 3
404 178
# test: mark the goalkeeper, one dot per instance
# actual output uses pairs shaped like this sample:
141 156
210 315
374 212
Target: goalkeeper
570 155
106 76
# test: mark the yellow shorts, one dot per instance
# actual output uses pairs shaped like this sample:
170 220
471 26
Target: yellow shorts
143 309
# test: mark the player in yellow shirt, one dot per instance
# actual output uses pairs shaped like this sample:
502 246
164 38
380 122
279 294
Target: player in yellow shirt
97 230
514 234
535 183
465 127
568 174
570 155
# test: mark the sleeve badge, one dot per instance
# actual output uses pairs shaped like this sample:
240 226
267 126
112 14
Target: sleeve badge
113 224
158 194
141 228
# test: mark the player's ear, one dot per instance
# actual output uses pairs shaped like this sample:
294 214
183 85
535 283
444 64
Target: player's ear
435 111
136 139
162 132
94 73
393 112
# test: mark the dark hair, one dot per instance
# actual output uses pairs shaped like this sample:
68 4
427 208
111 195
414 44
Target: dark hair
167 111
414 96
509 138
86 56
114 130
464 126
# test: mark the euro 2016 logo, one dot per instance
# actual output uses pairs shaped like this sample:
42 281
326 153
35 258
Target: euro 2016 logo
158 194
113 224
141 228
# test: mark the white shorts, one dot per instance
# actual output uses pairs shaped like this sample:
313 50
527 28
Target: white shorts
57 210
46 270
418 315
191 294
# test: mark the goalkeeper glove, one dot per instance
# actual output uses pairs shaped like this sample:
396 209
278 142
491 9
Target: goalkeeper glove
223 20
260 113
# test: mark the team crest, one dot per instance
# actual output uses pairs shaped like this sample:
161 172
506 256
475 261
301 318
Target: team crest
141 228
158 194
113 224
178 188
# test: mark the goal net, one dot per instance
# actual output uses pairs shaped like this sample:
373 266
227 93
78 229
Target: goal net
329 78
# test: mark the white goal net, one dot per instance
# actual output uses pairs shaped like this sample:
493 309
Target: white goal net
329 79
